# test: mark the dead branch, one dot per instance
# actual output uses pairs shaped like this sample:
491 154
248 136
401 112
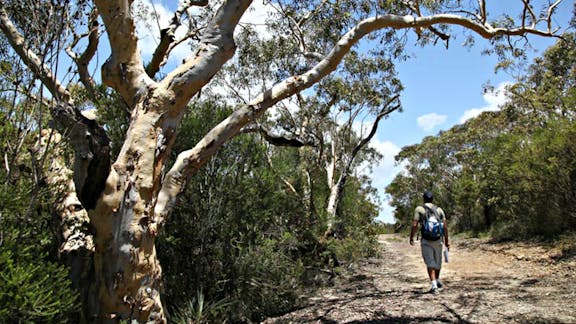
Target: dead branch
82 61
277 140
168 36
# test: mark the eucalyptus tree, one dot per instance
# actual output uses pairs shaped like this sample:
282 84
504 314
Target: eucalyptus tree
129 198
364 90
333 125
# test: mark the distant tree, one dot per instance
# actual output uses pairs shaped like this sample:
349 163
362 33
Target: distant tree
129 198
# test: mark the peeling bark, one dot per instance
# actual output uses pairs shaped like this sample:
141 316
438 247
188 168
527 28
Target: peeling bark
77 247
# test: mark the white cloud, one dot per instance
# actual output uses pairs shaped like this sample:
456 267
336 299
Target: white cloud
149 31
430 121
256 16
494 100
383 173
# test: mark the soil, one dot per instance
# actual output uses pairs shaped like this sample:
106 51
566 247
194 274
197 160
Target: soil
483 283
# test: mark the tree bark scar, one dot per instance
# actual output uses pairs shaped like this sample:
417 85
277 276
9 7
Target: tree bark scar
210 144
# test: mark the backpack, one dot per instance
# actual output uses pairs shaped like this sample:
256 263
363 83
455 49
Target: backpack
432 226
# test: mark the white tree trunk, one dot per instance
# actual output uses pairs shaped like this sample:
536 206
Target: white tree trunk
77 246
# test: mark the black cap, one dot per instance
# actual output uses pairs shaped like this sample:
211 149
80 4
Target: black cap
427 195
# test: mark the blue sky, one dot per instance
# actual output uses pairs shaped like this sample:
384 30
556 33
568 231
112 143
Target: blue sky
442 86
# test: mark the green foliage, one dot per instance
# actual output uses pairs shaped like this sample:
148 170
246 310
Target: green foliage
198 310
351 250
229 235
34 290
384 228
33 287
243 238
267 281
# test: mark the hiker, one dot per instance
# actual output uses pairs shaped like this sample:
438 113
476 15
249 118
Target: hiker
433 231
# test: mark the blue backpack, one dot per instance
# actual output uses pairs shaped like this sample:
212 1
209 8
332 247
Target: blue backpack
432 226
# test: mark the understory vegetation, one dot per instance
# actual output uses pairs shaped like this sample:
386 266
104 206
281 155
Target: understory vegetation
241 244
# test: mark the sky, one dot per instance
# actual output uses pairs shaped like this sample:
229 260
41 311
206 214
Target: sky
443 87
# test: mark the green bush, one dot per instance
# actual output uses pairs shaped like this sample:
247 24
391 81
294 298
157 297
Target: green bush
36 292
197 310
353 249
268 281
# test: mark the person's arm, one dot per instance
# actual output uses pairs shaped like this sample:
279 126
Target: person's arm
446 239
413 231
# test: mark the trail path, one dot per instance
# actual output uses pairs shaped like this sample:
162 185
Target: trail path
504 283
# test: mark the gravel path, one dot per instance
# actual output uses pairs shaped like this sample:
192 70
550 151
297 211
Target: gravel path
506 283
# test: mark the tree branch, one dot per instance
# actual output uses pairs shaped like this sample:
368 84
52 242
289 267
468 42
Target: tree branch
188 162
88 139
82 61
123 71
30 58
277 140
91 148
385 111
482 5
168 38
216 48
551 10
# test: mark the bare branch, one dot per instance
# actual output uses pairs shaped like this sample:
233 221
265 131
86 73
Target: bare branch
216 48
313 55
277 140
528 9
188 162
417 8
482 5
82 61
167 36
387 109
86 57
443 36
551 10
30 58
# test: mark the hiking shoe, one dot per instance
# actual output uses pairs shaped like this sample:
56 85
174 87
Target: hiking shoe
439 284
434 291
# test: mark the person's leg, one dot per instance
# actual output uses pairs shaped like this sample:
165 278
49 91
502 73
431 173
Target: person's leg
438 282
438 258
433 281
432 274
428 254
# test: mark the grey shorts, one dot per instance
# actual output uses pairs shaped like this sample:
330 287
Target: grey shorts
432 253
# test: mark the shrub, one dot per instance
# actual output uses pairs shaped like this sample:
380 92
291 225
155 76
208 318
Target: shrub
34 292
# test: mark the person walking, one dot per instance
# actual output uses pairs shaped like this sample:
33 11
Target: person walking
434 232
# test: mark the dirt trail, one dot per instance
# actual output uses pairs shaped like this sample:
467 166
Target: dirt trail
505 283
